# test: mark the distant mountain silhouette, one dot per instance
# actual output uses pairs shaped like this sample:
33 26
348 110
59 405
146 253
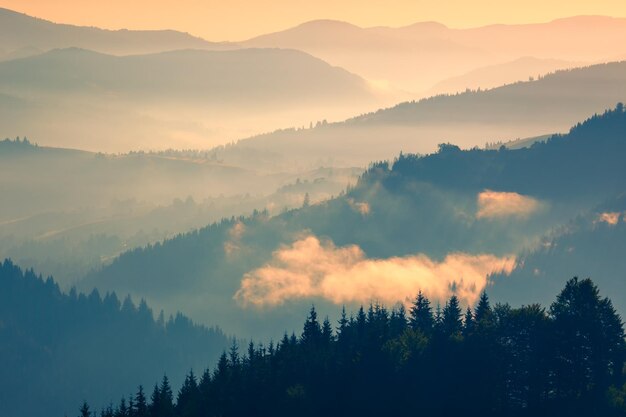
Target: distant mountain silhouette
242 76
492 76
418 56
26 35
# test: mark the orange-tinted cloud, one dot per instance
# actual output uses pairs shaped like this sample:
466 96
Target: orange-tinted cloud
496 204
610 218
312 268
361 207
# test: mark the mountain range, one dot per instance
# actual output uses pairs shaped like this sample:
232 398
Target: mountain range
426 53
170 89
23 35
187 98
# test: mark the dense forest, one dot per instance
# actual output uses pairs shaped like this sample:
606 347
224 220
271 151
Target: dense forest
60 348
558 168
487 361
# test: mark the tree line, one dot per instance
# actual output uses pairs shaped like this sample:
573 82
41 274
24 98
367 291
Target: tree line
430 360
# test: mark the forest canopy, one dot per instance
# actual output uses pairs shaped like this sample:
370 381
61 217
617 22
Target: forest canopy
492 360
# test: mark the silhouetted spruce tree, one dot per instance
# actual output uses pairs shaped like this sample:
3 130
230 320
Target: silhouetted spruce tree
205 392
108 411
421 314
166 398
438 318
141 406
188 399
468 323
397 321
155 402
312 332
131 406
589 343
451 320
122 409
343 321
327 332
84 410
483 308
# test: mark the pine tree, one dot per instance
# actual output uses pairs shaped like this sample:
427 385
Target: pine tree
166 398
188 401
141 406
155 402
327 332
589 341
84 410
421 314
468 323
451 322
122 409
233 354
131 406
483 313
343 321
312 332
397 321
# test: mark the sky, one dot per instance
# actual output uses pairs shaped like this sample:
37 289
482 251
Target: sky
235 20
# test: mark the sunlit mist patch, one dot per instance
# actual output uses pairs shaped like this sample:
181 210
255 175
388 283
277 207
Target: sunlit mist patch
496 204
313 268
610 218
232 245
360 206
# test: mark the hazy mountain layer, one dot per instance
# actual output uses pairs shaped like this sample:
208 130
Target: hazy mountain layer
66 211
526 109
181 99
492 76
418 56
24 35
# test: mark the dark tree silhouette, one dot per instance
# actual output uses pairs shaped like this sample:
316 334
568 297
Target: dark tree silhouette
498 361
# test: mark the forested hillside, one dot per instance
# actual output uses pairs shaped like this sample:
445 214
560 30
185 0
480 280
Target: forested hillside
599 235
420 211
62 348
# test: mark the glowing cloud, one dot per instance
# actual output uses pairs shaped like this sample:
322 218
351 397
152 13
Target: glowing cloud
495 204
610 218
313 268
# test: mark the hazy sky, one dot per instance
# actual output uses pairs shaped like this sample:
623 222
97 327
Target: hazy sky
241 19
